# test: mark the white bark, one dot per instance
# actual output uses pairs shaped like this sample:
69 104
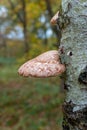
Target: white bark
74 39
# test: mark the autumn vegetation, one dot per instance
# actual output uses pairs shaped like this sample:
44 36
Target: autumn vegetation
25 32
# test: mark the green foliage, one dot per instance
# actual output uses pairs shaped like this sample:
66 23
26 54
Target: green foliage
34 11
33 104
6 61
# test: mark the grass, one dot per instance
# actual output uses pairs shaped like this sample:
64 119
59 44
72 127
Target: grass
29 103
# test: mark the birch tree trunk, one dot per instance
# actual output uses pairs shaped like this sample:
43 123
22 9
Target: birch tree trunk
74 55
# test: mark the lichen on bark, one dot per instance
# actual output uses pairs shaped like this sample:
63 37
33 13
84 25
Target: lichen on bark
74 39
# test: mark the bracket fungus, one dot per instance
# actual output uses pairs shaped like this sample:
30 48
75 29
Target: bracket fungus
54 19
45 65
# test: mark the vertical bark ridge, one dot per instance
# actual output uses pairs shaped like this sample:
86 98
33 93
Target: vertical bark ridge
74 39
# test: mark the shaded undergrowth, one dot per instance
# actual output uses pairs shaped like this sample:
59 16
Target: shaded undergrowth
28 103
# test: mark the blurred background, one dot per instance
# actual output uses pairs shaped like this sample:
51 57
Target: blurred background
25 32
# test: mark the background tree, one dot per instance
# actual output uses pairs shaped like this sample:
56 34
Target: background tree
29 16
20 12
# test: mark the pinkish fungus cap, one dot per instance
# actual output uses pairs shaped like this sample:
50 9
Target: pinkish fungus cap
53 21
44 65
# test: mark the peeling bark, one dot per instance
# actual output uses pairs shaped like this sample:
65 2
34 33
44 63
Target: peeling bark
74 44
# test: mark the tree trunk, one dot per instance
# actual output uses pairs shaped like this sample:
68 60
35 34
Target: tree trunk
74 55
26 46
25 27
23 19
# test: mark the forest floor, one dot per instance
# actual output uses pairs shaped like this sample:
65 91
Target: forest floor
29 103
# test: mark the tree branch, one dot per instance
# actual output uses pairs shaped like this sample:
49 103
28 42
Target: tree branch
18 14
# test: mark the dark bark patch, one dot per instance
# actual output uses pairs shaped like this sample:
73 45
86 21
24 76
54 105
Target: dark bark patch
76 119
66 86
83 76
70 53
65 124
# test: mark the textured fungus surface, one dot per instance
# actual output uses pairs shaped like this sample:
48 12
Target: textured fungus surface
44 65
